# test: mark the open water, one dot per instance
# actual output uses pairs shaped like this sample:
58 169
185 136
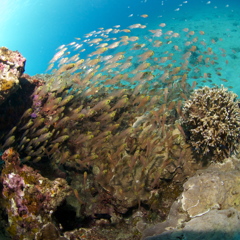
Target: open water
37 28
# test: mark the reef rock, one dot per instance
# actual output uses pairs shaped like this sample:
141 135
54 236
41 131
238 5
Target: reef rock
217 187
214 225
11 68
208 205
29 199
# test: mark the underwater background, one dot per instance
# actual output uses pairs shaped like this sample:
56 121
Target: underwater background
124 122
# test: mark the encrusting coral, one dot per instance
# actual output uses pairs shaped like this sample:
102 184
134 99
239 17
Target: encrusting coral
212 118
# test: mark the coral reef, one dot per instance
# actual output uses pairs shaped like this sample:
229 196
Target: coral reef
126 146
119 149
11 68
212 118
109 125
30 199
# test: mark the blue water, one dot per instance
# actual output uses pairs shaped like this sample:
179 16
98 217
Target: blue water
37 28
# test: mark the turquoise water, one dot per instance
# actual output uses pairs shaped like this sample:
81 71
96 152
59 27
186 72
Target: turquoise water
199 39
37 28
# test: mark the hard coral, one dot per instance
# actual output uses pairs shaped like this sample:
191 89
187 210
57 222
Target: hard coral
211 117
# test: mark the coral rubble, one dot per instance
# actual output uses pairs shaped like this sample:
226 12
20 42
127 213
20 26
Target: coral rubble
212 118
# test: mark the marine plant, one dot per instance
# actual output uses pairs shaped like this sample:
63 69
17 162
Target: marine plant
212 119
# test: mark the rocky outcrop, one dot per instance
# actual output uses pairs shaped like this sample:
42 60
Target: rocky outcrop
11 68
214 225
208 208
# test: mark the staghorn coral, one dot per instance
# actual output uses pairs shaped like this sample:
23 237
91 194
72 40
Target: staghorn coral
212 118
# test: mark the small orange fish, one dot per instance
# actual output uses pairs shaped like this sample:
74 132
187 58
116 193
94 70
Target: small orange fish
193 49
126 30
207 60
133 39
187 43
99 51
121 103
93 62
195 39
146 55
137 25
96 40
157 43
143 66
176 47
162 24
163 59
209 50
200 58
176 35
114 45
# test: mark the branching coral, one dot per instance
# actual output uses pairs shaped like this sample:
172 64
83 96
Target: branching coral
212 118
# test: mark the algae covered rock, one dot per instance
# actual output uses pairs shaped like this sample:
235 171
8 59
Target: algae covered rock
29 199
217 187
11 68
